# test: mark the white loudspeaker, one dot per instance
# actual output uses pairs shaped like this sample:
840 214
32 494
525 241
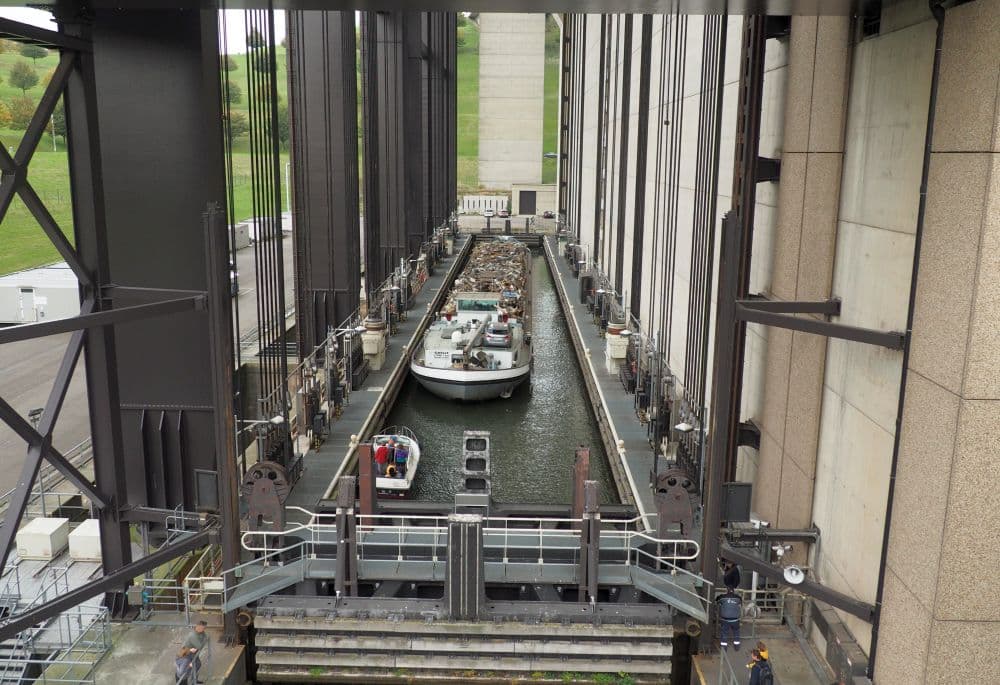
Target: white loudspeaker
794 575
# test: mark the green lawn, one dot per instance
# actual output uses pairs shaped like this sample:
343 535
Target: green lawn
468 107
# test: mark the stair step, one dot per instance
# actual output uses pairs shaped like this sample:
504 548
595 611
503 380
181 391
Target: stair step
677 591
353 627
557 648
276 661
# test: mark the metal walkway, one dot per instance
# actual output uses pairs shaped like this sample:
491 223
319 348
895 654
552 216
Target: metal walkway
512 553
634 453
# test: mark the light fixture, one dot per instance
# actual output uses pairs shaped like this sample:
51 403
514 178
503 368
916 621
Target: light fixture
684 427
793 575
277 420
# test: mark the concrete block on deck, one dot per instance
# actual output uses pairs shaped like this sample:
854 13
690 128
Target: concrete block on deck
85 541
43 538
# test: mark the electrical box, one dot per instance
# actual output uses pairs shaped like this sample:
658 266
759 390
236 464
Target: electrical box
43 538
736 501
85 541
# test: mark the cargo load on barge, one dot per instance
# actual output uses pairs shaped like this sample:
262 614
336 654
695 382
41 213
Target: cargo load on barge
479 346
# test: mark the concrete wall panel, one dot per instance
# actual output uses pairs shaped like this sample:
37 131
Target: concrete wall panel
511 98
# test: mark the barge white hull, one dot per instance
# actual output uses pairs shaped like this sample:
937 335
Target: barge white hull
470 386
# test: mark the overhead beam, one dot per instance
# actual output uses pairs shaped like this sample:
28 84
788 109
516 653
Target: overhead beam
697 7
829 307
26 33
838 600
105 318
892 340
112 581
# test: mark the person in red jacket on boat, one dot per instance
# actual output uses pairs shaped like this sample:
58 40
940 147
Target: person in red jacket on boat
383 453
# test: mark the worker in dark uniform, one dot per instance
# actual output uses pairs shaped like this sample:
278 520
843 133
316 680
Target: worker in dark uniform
731 577
730 609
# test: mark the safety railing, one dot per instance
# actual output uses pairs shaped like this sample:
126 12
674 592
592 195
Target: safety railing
83 642
287 556
10 589
162 594
203 586
50 492
73 643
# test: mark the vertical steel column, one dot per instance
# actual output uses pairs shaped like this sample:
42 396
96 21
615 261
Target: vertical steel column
590 544
745 194
394 166
626 104
724 404
159 118
412 154
642 145
221 352
324 134
601 160
565 109
87 191
451 102
374 258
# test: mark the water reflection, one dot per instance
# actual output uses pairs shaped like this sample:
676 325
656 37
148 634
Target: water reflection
534 432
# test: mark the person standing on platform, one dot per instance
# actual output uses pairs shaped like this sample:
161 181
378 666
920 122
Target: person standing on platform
730 609
195 645
760 670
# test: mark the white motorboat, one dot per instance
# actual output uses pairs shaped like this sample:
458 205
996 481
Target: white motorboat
397 484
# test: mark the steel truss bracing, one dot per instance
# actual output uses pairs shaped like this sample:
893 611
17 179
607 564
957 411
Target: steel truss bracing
140 302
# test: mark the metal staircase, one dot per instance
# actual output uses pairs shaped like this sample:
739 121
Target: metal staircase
321 649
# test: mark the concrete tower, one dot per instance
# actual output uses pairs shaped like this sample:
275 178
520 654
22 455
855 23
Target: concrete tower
511 98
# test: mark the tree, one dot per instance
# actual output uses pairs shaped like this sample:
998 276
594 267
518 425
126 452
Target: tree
229 64
283 125
239 125
59 119
263 63
23 76
5 116
255 39
34 52
235 94
21 110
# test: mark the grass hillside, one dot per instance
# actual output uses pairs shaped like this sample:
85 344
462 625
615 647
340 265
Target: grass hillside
468 106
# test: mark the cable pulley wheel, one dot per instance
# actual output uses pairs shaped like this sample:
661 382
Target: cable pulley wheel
267 470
